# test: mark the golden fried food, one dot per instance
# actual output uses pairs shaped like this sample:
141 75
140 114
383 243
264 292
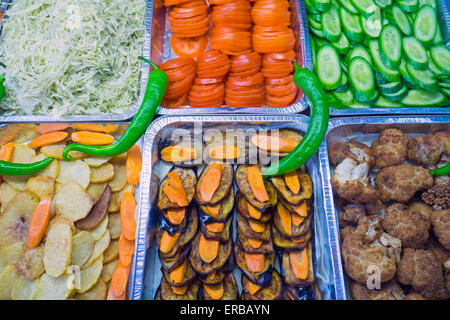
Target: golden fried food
444 138
438 196
351 214
441 226
390 149
413 296
426 149
339 150
389 291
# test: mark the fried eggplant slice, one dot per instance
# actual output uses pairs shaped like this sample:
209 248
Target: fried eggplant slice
245 227
188 180
179 215
217 275
225 290
290 293
220 231
97 213
184 153
202 267
285 183
180 276
245 188
289 244
276 144
168 264
166 291
273 291
210 174
299 208
298 267
255 245
251 213
283 221
220 211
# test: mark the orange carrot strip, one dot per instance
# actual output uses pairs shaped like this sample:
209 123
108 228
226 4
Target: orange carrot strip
292 182
48 139
112 296
211 181
119 279
208 249
286 219
254 261
176 215
174 190
52 127
256 182
127 211
126 250
255 214
297 220
94 127
253 288
39 222
214 210
224 152
257 226
177 274
178 154
92 138
168 242
299 263
214 291
133 165
179 290
270 143
6 152
212 274
110 128
255 243
215 227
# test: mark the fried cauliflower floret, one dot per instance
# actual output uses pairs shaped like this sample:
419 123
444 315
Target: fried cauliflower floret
407 224
363 250
357 151
400 183
351 214
421 270
346 231
442 254
413 296
352 183
426 149
444 138
447 282
441 226
438 196
390 149
389 291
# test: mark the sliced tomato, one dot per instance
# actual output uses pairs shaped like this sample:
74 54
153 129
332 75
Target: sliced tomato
207 80
189 47
255 79
174 103
176 63
280 81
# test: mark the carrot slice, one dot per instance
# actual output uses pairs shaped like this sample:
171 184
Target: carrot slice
253 288
94 127
257 226
112 296
299 263
6 151
301 209
215 291
110 128
297 220
174 190
92 138
285 217
254 261
178 153
208 249
212 274
256 182
211 181
291 179
127 211
179 290
176 215
177 274
119 279
133 165
168 242
224 152
255 214
255 243
215 227
48 139
126 250
214 210
39 222
51 127
271 143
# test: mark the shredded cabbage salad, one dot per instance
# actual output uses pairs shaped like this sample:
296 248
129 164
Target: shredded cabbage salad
72 56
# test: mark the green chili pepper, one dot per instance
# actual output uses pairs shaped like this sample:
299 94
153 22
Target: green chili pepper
317 126
154 94
22 169
442 171
2 87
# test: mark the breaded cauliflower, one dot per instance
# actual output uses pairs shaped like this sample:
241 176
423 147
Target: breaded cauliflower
363 250
400 183
410 225
413 296
438 196
351 214
441 226
357 151
444 137
346 231
426 149
352 183
390 149
447 282
422 270
389 291
442 254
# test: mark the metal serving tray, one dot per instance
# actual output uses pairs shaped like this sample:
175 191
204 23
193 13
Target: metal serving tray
147 275
161 52
145 71
443 13
366 130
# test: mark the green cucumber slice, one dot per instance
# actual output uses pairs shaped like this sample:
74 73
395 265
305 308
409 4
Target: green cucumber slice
438 39
379 79
373 99
422 98
408 5
314 24
415 53
385 103
441 57
396 16
407 79
317 32
312 43
391 87
372 25
351 24
331 24
432 3
390 42
383 3
362 79
329 67
425 25
347 4
360 51
342 45
321 5
365 7
387 73
446 91
445 85
423 78
344 83
310 7
344 97
397 96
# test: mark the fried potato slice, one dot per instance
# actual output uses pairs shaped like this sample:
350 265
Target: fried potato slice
103 173
108 270
15 220
82 248
89 276
56 151
100 246
6 193
11 253
23 289
21 154
98 292
52 170
51 288
120 159
120 178
72 202
114 226
114 205
96 162
30 264
74 171
100 230
112 252
58 249
7 279
17 182
95 190
42 186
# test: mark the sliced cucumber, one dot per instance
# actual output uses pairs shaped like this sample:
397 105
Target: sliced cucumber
390 42
362 79
441 57
329 67
316 16
347 4
342 45
383 3
397 96
331 24
365 7
446 91
407 79
321 5
391 87
314 24
379 79
359 51
351 24
438 39
415 53
385 103
345 97
387 73
310 7
422 98
373 99
344 83
424 79
408 5
320 42
445 85
425 25
317 32
372 25
432 3
357 105
396 16
312 43
435 69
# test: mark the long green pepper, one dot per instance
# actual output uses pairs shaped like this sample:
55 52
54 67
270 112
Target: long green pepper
317 126
442 171
154 94
2 87
22 169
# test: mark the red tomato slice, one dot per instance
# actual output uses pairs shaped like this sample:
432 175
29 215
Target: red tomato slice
189 47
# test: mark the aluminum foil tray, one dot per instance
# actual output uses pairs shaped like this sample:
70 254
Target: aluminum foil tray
365 130
147 275
161 52
5 4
